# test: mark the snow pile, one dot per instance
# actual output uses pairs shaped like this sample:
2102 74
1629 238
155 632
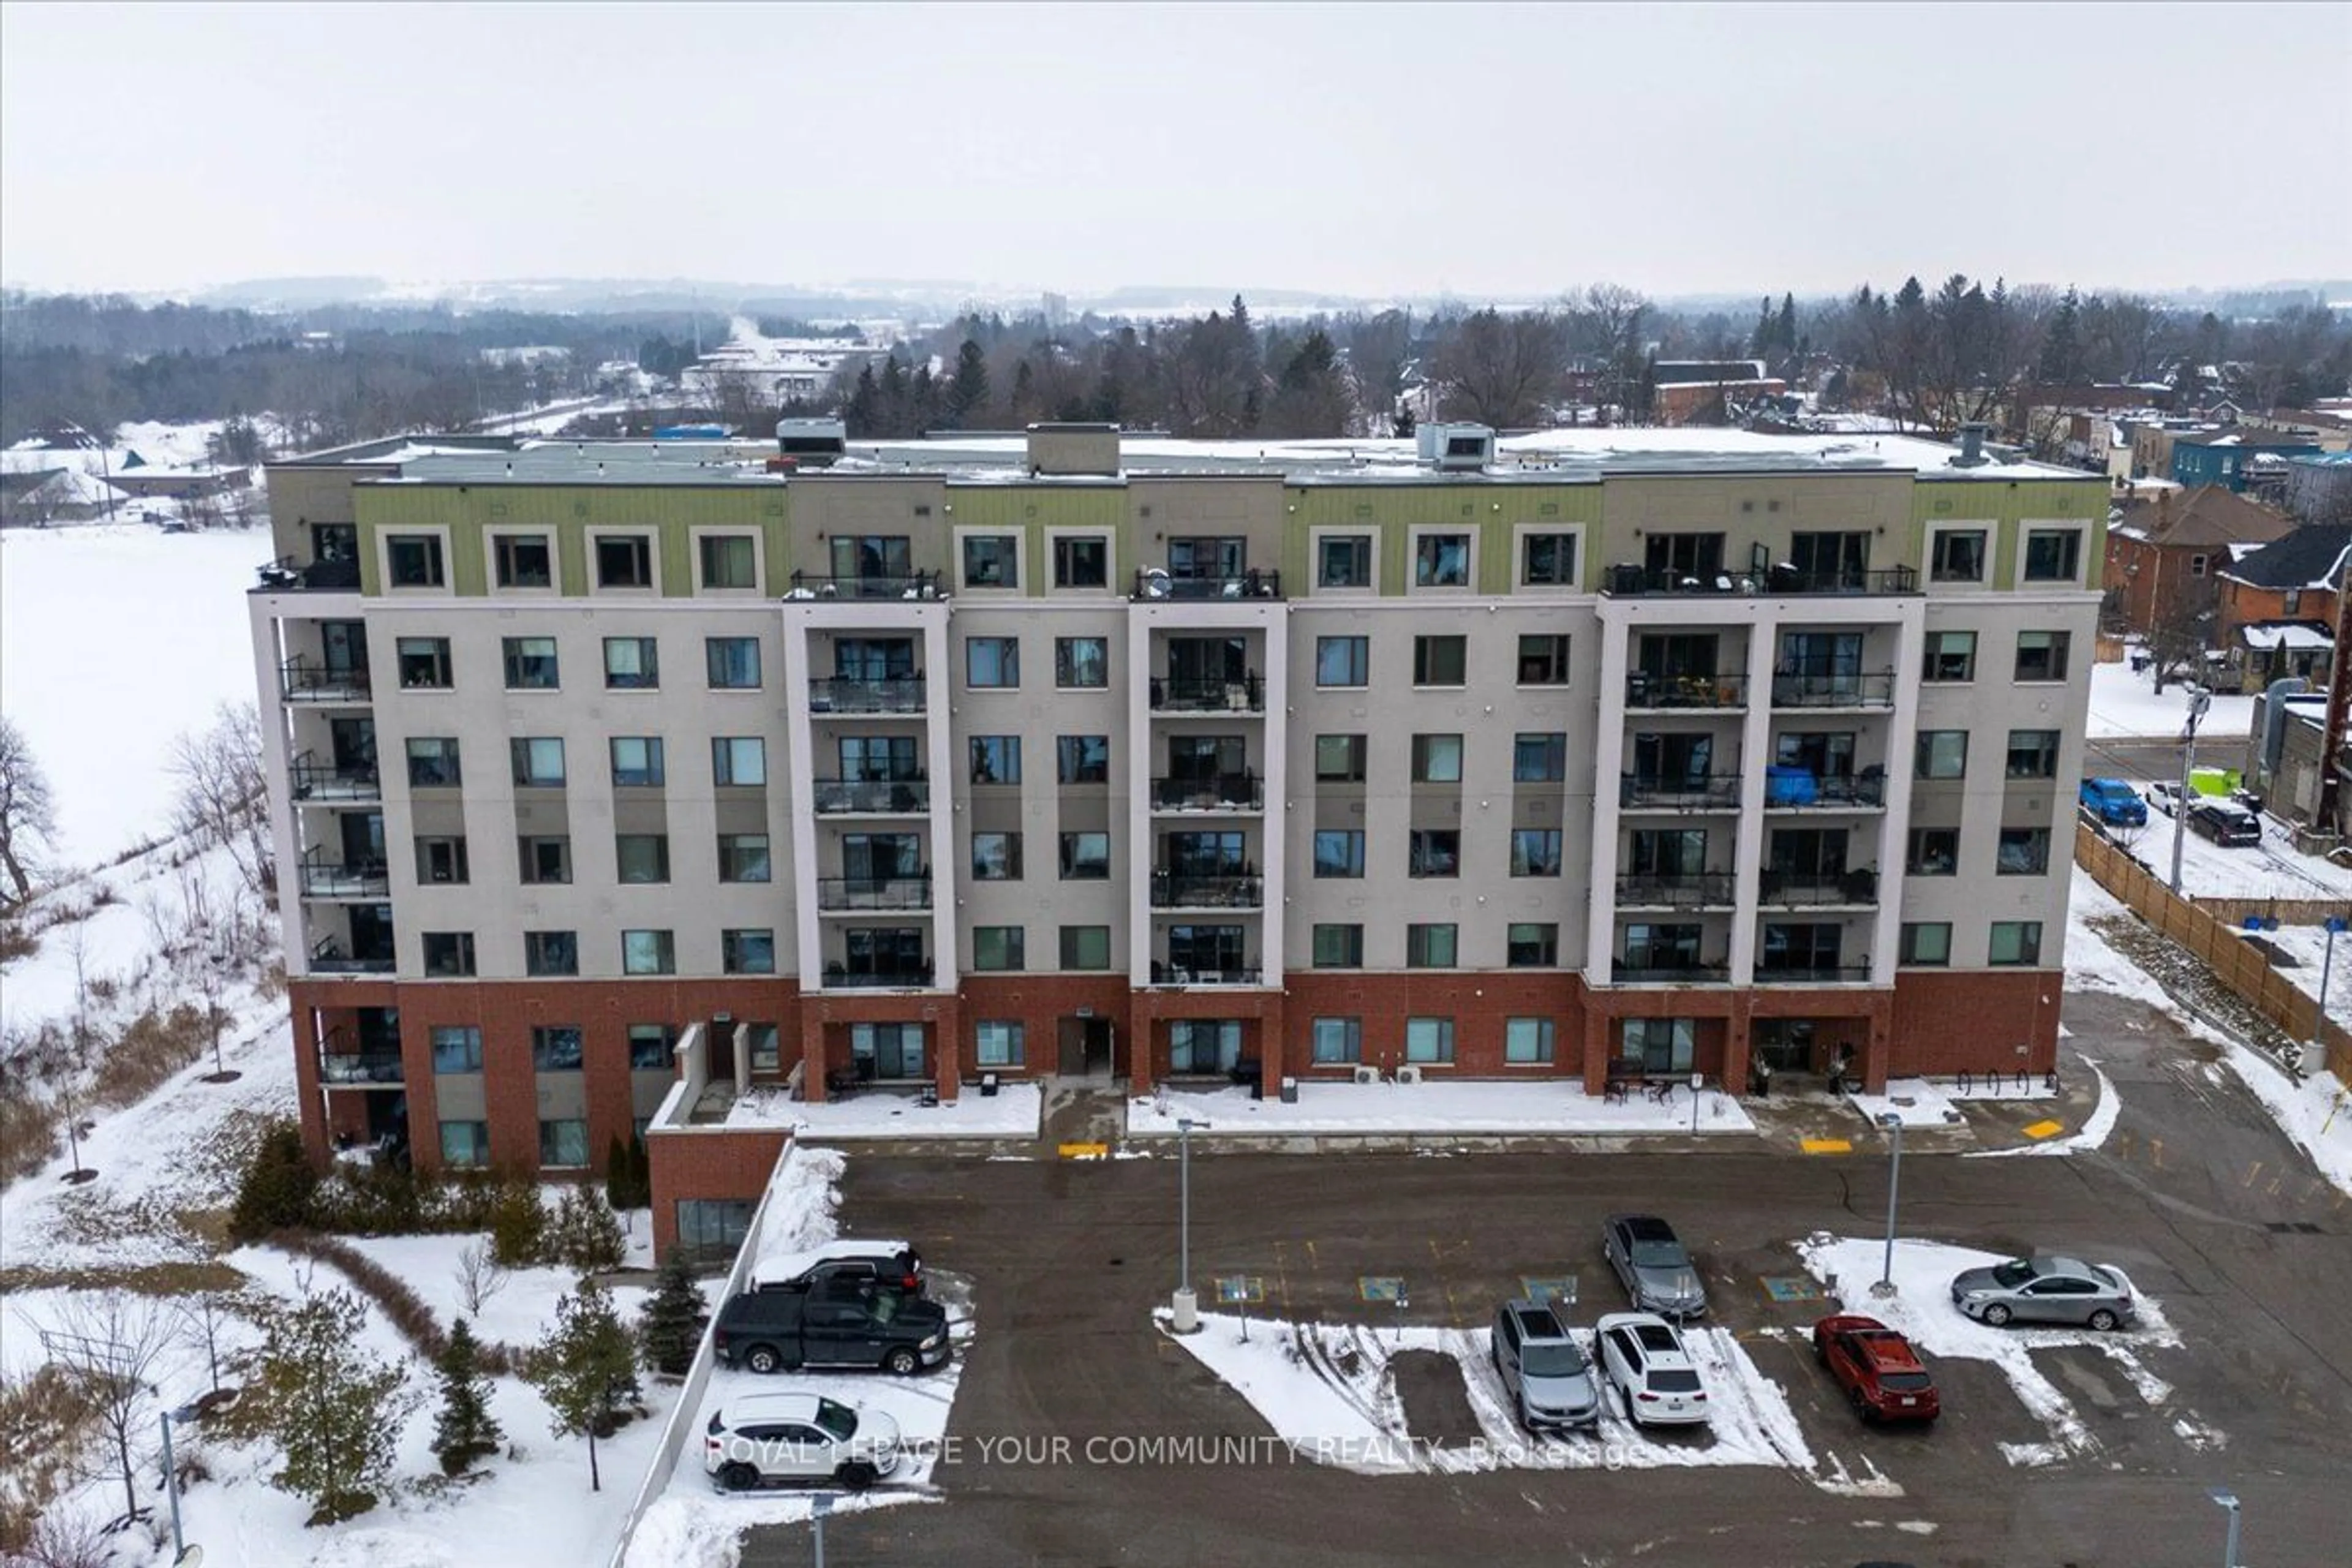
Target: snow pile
1913 1101
2089 1136
1012 1112
2124 705
1538 1107
2316 1114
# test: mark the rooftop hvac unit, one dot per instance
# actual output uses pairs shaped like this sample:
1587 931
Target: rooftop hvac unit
1408 1074
1367 1075
1455 448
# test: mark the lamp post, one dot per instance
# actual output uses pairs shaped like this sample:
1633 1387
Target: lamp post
2228 1500
2318 1051
1698 1081
2199 699
1893 1123
1185 1313
817 1510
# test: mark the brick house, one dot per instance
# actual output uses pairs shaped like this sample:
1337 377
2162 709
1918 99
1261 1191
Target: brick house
2163 552
2276 607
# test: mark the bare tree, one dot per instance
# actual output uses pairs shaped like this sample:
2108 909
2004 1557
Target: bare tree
111 1341
223 796
204 1318
29 811
1502 370
480 1277
2180 634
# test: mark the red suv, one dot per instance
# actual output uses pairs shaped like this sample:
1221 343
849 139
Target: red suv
1881 1373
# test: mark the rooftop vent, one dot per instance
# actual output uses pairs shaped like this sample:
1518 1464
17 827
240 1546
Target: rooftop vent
816 443
1972 453
1455 448
1073 449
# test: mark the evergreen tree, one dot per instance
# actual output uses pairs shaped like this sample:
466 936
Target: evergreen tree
1024 392
967 395
465 1431
670 1323
585 1369
863 411
585 1235
618 1173
334 1411
519 1229
274 1192
1785 335
1759 341
2061 361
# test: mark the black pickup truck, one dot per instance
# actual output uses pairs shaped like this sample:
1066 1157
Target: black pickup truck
836 1325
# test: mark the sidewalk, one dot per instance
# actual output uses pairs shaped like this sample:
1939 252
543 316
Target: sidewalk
1547 1108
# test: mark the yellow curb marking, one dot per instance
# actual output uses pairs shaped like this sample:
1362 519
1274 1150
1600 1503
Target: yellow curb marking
2043 1129
2252 1172
1086 1150
1827 1146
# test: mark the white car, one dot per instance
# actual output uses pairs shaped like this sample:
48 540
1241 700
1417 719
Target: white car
1642 1355
755 1438
2165 797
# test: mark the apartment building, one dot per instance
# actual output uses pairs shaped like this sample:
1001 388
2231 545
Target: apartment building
602 767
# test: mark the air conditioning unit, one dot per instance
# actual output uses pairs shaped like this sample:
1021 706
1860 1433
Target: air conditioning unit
1367 1075
1455 448
1408 1074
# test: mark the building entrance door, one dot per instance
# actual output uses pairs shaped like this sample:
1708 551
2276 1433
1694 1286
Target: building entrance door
1785 1045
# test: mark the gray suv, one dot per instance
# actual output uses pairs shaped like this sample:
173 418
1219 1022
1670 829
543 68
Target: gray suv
1655 1266
1544 1371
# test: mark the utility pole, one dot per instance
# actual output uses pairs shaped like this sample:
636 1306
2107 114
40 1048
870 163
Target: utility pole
2199 699
2339 696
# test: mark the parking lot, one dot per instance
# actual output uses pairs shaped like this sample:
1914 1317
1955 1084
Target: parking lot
1089 1436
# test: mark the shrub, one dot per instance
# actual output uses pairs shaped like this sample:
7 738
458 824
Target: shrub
585 1235
517 1226
155 1045
28 1134
669 1326
274 1192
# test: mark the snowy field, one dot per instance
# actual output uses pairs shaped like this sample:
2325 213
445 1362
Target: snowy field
1542 1107
2126 706
1012 1112
2273 869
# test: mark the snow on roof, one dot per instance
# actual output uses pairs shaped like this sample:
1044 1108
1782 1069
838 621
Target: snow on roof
2294 637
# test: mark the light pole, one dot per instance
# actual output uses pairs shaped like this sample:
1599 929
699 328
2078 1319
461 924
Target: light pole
2199 699
1893 1124
2228 1500
1698 1081
2318 1051
817 1510
1185 1314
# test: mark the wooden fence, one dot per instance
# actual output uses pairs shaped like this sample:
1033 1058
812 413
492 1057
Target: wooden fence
2213 933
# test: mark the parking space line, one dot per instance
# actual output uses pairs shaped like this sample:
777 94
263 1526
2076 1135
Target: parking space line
1827 1145
2156 1153
1281 1279
2252 1172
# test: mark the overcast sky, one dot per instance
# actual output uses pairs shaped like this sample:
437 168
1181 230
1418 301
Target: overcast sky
1365 149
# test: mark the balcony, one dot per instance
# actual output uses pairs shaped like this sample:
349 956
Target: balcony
873 892
1152 583
872 797
1788 579
328 784
1228 792
1679 792
331 957
1815 888
304 681
1675 890
902 695
914 585
284 573
1872 691
1625 974
915 977
1628 581
323 878
1171 695
1175 975
1787 788
359 1068
1817 975
1175 891
1644 690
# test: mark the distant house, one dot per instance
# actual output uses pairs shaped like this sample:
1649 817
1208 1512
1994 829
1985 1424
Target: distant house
1691 391
148 482
2319 489
2277 606
2165 553
2230 457
35 498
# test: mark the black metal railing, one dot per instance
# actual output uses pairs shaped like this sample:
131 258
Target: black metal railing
837 797
1678 791
329 957
1819 887
1623 973
1175 891
1629 580
1876 689
913 585
1675 890
902 694
360 1067
317 780
873 892
304 681
1792 787
1226 791
285 571
1785 578
1172 694
1811 974
1644 689
325 879
911 977
1178 975
1152 583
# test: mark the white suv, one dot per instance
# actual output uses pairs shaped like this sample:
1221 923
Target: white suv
755 1438
1642 1355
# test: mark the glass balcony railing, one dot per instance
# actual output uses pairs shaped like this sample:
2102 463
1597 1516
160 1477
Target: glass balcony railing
1153 583
1811 974
901 977
1226 791
1681 889
871 797
879 586
1873 690
1645 690
873 892
1653 973
1172 694
902 695
1174 890
1679 792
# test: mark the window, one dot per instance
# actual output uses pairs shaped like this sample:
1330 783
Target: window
1338 1041
1204 1044
563 1143
414 560
2015 942
1344 562
1435 852
638 761
642 858
433 762
747 952
2041 655
1338 947
997 856
648 953
1086 947
1547 560
2033 753
992 663
1527 1041
523 561
652 1048
730 560
1339 852
744 857
2290 601
1935 852
1081 663
1085 857
741 761
2052 554
1661 1045
465 1143
1927 944
626 561
998 947
1001 1043
632 664
1081 562
1543 660
1430 946
1082 759
457 1048
2025 852
732 663
1960 557
1534 852
2197 564
1943 754
424 663
556 1047
1437 759
1951 655
538 761
1540 759
546 860
1532 946
1440 661
1343 661
1339 759
548 953
449 952
991 560
1442 560
441 860
1429 1040
996 759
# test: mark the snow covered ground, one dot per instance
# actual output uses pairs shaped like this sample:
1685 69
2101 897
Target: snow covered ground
1924 1102
2126 705
2273 869
1012 1112
1538 1107
2316 1113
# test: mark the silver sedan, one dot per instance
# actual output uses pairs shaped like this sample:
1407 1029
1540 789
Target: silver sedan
2046 1290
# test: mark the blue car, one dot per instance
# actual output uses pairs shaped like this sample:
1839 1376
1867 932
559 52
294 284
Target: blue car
2115 803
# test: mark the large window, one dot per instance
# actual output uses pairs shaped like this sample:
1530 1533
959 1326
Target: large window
2032 753
1429 1040
648 953
1344 561
2015 942
1951 655
556 1047
1343 661
2025 852
996 759
747 952
1437 759
1539 758
1531 946
1433 852
1204 1044
414 560
1081 562
550 954
732 663
992 663
713 1227
1431 946
1528 1041
2041 655
1001 1043
465 1144
638 761
1338 1041
624 561
1442 560
523 561
433 762
744 857
530 664
1082 663
642 858
1661 1045
991 561
1082 759
1085 857
457 1048
564 1142
424 663
998 948
1960 556
1547 560
538 761
449 952
997 856
1339 759
1338 947
632 664
1927 944
545 860
1935 852
652 1048
1086 947
1440 660
1543 659
1943 754
1534 852
730 560
741 761
2052 555
1339 852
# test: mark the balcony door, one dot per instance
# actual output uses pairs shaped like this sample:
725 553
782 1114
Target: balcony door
1206 560
1671 853
343 646
1672 657
1202 663
1839 559
887 1050
881 857
1206 759
1824 754
1809 855
1670 760
876 563
362 838
885 951
873 659
880 759
352 742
